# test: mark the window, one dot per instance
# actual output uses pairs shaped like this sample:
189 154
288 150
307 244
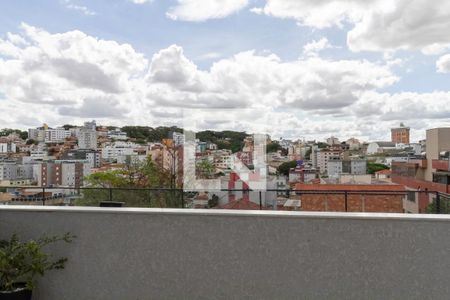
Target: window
411 196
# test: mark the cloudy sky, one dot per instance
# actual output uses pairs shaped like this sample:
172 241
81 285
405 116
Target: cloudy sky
305 68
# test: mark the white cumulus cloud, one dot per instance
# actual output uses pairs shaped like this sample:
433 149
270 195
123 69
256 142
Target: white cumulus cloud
70 77
443 64
200 10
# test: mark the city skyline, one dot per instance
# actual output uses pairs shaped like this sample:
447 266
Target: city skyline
343 69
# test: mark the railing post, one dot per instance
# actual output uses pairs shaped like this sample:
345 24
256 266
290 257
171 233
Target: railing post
346 201
438 202
260 200
363 203
182 198
43 196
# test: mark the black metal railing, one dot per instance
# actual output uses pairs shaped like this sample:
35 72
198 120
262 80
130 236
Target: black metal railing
271 199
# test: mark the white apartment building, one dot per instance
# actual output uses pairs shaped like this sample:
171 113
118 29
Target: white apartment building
337 167
8 147
87 138
116 134
56 135
8 171
117 150
178 138
13 171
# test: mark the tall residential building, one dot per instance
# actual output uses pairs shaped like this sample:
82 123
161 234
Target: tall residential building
37 134
333 141
400 135
87 138
178 138
431 172
61 173
324 156
90 125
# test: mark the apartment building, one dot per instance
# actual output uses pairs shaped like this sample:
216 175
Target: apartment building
337 167
12 170
8 147
57 135
93 157
117 134
114 151
324 156
87 138
65 173
430 172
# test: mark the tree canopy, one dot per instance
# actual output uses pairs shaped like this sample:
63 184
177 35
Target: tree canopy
372 167
285 167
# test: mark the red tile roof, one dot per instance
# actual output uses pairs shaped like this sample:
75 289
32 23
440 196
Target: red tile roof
243 204
384 172
349 187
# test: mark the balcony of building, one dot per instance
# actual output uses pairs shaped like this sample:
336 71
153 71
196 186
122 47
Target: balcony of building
131 253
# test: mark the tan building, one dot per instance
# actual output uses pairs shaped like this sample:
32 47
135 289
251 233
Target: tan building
438 140
400 135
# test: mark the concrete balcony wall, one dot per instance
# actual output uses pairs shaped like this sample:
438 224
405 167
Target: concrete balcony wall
197 254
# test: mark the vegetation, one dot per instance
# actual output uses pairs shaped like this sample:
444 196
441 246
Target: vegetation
444 206
24 261
322 145
273 147
372 167
232 140
68 126
131 185
284 168
308 154
149 134
205 169
7 131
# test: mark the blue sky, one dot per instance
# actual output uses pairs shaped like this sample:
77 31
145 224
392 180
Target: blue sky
398 71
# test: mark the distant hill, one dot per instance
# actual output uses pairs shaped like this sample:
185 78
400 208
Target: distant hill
232 140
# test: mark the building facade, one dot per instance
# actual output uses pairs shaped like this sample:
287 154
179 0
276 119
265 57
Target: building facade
400 135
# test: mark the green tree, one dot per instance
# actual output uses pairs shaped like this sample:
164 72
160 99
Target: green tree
372 167
7 131
285 167
205 169
68 126
273 147
308 154
138 184
444 205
